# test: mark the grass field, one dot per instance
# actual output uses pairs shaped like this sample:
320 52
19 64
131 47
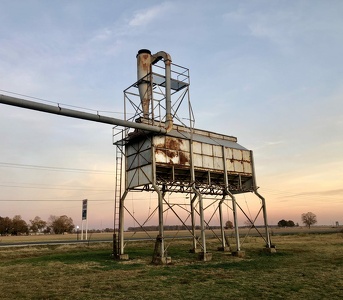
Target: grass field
306 266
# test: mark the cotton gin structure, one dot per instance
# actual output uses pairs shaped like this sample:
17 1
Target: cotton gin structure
177 158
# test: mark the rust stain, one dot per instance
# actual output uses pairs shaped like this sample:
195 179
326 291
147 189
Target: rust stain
184 159
174 144
171 154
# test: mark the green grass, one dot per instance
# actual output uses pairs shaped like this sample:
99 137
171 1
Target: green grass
304 267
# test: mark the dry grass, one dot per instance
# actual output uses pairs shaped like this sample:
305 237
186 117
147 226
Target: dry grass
305 266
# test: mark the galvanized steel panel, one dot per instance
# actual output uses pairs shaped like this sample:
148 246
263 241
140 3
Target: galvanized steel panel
246 155
247 167
197 160
132 178
145 144
238 165
230 166
145 157
237 154
132 149
228 153
217 151
197 147
207 149
132 162
145 175
207 162
218 163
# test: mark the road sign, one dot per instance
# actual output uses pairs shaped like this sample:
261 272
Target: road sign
84 209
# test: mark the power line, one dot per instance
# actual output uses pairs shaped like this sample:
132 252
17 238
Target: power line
56 188
55 200
58 169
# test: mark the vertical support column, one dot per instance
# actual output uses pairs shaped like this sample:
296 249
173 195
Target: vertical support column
161 224
224 246
195 250
234 206
203 255
264 209
121 254
159 256
202 224
269 246
234 210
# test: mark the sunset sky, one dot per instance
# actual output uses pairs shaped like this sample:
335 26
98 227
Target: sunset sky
268 72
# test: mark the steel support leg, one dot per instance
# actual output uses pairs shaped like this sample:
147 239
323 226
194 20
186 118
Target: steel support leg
222 232
264 209
234 210
193 223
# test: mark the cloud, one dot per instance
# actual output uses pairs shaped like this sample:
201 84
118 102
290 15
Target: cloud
146 16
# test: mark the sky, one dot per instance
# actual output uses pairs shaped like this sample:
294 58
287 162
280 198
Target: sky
268 72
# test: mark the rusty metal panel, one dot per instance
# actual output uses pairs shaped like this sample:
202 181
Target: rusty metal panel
160 156
160 141
185 158
176 144
172 157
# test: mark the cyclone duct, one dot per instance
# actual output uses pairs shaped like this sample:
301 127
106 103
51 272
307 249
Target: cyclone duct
144 77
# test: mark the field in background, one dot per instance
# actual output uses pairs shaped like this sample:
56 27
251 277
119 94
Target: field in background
306 266
153 234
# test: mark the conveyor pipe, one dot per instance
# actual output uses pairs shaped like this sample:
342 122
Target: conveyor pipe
57 110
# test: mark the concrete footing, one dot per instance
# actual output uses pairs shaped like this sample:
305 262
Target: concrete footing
224 249
269 250
161 260
239 253
196 250
123 257
205 256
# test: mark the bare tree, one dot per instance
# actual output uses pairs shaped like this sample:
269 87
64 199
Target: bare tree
309 219
61 224
37 224
19 226
5 226
228 225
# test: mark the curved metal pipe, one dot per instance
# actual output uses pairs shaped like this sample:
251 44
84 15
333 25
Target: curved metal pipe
167 62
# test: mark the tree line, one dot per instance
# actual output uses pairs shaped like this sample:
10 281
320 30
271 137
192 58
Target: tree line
18 226
308 220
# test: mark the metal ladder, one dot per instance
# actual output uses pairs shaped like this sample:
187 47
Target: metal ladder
117 199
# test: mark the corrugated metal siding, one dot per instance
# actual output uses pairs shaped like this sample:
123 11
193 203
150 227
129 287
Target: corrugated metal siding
174 150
